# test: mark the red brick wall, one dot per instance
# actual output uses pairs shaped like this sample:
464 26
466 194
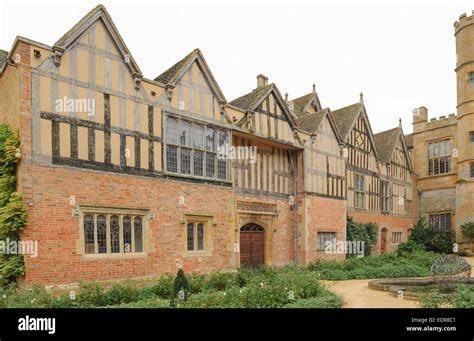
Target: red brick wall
50 222
323 215
391 222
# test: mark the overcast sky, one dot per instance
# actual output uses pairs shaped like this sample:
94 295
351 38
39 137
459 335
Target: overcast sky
401 55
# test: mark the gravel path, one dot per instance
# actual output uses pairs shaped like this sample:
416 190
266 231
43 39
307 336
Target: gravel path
356 294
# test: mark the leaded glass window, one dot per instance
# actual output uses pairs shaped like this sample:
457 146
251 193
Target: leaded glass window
89 234
191 149
127 234
102 234
114 234
137 223
190 237
200 237
195 236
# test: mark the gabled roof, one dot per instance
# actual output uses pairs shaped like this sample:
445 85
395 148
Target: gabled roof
169 75
98 13
172 75
346 117
310 123
3 59
386 142
251 101
300 104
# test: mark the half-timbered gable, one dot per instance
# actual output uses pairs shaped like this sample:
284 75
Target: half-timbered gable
324 167
396 184
195 125
362 169
267 114
268 126
89 106
194 88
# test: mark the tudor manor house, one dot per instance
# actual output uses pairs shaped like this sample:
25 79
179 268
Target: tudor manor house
132 184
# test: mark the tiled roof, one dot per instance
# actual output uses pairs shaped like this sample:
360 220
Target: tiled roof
346 116
386 142
3 59
248 101
169 75
310 122
300 103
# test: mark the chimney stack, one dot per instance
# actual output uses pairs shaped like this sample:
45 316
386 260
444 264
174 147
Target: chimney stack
262 81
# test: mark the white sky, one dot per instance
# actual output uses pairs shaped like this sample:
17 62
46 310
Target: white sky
400 55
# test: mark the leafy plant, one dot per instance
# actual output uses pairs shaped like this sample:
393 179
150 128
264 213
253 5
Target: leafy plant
366 233
326 300
468 230
180 283
13 217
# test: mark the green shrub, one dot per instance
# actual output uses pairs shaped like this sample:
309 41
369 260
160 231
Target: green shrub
437 300
431 238
90 295
36 297
464 297
120 293
410 246
144 303
468 230
221 280
366 233
197 283
326 300
393 265
146 293
164 287
231 298
265 295
63 301
180 283
11 266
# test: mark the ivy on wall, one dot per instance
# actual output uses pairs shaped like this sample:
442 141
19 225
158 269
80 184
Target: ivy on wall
12 210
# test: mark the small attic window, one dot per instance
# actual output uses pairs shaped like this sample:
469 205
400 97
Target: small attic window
470 77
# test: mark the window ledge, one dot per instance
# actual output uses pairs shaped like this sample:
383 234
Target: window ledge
192 254
119 256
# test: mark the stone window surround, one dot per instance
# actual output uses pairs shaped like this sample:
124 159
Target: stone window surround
109 211
196 218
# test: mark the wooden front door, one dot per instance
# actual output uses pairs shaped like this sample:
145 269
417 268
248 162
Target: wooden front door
382 241
252 245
